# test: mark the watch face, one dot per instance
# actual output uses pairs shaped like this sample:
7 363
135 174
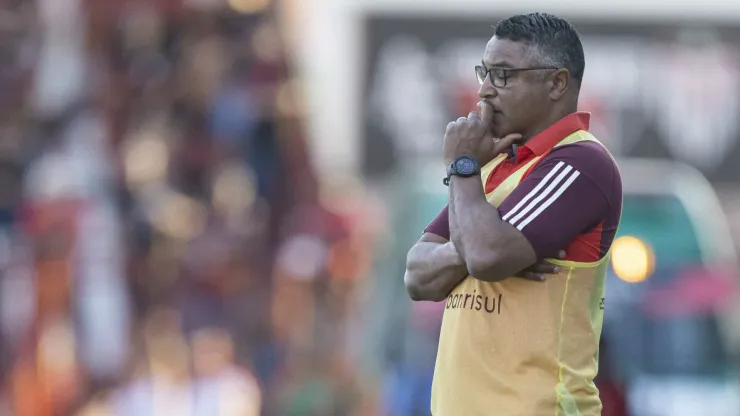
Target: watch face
465 166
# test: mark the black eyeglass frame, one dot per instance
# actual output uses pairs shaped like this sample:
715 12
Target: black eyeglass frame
481 73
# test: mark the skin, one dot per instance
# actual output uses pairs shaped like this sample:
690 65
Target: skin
434 267
530 102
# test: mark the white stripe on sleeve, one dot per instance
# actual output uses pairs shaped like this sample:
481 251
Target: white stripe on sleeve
549 202
534 191
542 194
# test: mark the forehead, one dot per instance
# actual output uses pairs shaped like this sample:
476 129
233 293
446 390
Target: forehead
507 53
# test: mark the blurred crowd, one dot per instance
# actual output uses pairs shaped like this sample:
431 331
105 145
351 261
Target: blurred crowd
165 246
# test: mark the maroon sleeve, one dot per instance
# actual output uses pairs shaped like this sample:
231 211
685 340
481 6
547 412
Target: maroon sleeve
441 224
569 193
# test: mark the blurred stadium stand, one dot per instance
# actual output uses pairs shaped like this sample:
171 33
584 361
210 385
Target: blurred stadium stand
206 204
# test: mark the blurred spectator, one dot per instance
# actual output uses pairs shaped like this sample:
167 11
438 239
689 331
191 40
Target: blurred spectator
162 233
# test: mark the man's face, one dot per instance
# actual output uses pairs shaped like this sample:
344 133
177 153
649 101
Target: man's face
524 100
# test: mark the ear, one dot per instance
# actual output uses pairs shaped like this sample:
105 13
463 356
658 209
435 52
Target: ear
559 83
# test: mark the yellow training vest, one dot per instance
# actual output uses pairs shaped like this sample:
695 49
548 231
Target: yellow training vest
522 348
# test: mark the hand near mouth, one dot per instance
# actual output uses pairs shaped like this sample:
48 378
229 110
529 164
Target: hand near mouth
472 136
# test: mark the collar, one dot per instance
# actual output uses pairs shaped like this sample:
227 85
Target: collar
549 137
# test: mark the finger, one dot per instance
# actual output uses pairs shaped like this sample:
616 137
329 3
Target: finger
535 277
473 116
544 268
486 114
510 140
502 145
450 125
461 119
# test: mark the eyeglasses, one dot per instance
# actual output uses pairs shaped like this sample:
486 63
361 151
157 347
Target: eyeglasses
500 75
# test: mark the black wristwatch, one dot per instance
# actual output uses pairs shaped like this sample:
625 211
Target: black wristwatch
464 166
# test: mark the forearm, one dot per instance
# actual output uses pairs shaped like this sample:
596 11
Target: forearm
433 270
475 224
477 231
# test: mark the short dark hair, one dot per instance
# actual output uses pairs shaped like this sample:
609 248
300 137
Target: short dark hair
555 38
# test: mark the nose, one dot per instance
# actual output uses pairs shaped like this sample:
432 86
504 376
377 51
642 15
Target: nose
487 90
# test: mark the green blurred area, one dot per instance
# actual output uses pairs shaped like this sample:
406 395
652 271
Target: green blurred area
663 222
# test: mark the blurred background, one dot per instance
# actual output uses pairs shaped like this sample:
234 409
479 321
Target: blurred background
205 205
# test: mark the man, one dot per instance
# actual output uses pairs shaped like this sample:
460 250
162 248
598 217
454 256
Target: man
514 346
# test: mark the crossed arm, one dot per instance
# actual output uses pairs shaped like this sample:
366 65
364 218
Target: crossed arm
560 199
493 252
435 265
433 268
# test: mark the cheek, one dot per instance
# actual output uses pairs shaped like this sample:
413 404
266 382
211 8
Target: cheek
526 106
520 113
515 106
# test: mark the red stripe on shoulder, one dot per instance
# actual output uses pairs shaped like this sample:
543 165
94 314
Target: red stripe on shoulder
586 248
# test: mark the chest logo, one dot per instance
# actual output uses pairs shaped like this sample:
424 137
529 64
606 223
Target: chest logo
475 302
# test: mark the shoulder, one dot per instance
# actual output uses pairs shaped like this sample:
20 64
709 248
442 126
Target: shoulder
587 154
589 158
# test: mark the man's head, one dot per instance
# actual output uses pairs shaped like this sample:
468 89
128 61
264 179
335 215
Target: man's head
531 73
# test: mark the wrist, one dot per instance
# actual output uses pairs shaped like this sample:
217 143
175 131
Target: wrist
463 166
449 159
453 255
466 179
467 190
